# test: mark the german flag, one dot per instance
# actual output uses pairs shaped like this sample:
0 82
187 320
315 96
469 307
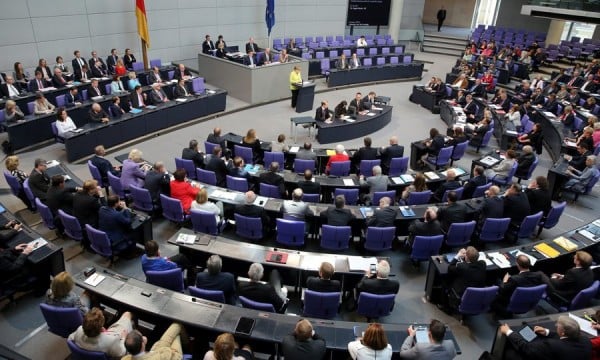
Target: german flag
142 21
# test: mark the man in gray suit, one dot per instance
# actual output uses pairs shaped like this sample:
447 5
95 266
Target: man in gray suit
436 349
376 183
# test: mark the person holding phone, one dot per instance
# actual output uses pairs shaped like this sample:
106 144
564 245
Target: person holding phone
376 281
435 348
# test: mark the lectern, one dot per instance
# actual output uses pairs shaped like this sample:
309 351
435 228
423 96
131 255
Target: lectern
306 96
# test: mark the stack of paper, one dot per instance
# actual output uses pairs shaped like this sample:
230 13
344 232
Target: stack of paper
499 259
431 175
357 263
52 163
37 243
483 257
187 239
94 279
489 160
565 243
294 149
584 325
407 178
348 182
397 180
312 262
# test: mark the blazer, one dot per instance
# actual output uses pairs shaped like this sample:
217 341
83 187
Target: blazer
33 84
251 47
447 185
539 200
47 68
116 223
390 152
454 213
223 281
466 274
115 111
430 351
97 116
478 90
135 100
104 166
184 192
552 347
128 60
274 179
254 211
57 198
322 114
492 207
383 217
211 138
365 153
92 63
523 279
4 89
131 174
472 184
337 217
162 349
260 292
516 207
181 91
79 76
70 100
217 165
342 65
77 67
524 163
39 183
157 183
575 280
422 228
116 86
312 348
376 184
179 76
111 62
195 156
93 92
314 283
247 60
378 286
207 46
58 81
86 207
296 209
551 106
155 96
309 187
358 106
98 72
470 108
220 53
437 143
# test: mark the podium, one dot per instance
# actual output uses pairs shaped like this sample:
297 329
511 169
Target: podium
306 96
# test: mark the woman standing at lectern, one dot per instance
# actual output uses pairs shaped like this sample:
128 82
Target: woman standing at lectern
295 79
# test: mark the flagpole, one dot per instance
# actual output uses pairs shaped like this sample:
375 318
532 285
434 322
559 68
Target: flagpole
145 54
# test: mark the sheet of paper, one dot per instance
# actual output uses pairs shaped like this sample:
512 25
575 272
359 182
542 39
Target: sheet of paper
584 325
94 279
519 252
357 263
484 257
499 260
294 149
311 262
348 182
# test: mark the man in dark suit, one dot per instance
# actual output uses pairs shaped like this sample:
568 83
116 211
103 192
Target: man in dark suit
237 170
111 60
388 153
492 206
271 293
39 182
538 98
251 46
551 105
450 184
217 165
250 59
85 75
214 279
516 205
97 69
192 153
525 161
38 82
356 104
323 113
465 270
181 90
272 177
324 283
566 343
378 283
72 97
182 73
155 76
158 95
87 203
384 216
539 196
78 63
10 89
308 185
478 89
563 288
216 138
208 45
369 100
589 85
157 182
94 90
338 215
470 109
115 220
453 213
97 114
430 226
364 153
304 343
95 60
578 161
248 208
58 79
138 98
478 179
525 278
103 165
60 197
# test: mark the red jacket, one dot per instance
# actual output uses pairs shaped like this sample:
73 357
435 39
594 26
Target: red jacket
336 158
595 348
184 192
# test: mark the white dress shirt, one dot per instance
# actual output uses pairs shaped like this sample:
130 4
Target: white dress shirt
65 126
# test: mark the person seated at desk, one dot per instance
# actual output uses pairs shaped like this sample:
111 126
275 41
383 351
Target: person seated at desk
566 343
590 85
342 63
64 123
221 52
21 76
131 172
12 166
454 212
138 98
116 86
470 109
252 46
42 106
579 179
375 183
215 279
502 169
578 162
10 89
361 41
248 208
354 62
461 98
157 182
133 80
478 89
338 215
182 73
430 226
128 59
461 81
503 101
94 90
251 141
72 97
304 343
573 97
306 153
39 182
207 45
181 90
365 153
61 294
15 270
341 109
388 153
516 205
524 161
514 116
539 195
97 114
589 103
470 185
267 57
433 145
226 348
167 347
533 138
115 110
193 153
85 75
38 83
237 169
152 261
437 348
372 345
283 56
279 145
272 177
216 138
120 69
201 203
356 105
92 335
115 219
296 208
568 118
524 279
492 205
465 270
340 155
323 113
87 203
12 113
384 216
369 101
250 59
218 166
44 69
450 184
458 137
271 293
309 185
95 60
104 166
60 197
378 283
586 137
97 70
562 93
111 60
182 190
538 99
418 185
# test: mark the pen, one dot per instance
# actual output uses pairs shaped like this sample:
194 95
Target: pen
587 317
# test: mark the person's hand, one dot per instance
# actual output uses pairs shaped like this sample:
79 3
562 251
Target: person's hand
411 331
123 333
28 249
540 330
17 227
506 277
462 252
596 326
504 329
20 247
570 168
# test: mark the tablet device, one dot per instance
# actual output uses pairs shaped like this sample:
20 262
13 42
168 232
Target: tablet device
245 326
527 333
422 335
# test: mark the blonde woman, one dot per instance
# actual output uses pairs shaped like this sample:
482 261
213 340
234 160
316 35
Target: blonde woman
61 294
201 203
226 349
131 174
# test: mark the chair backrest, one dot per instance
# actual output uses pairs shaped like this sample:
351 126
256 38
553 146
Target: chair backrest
360 52
45 213
529 225
137 66
244 152
99 241
290 232
477 300
325 64
486 138
271 191
155 62
367 62
277 157
480 190
443 157
554 215
142 200
13 182
584 297
55 132
248 227
300 165
206 176
340 168
509 177
459 192
204 222
198 85
30 107
379 238
346 52
335 237
28 191
78 353
95 173
313 198
209 147
60 101
71 225
525 299
378 195
590 185
424 247
494 229
236 183
61 321
188 165
321 305
351 195
459 234
172 208
418 197
366 166
459 150
115 185
398 166
212 295
250 304
170 279
393 60
407 59
385 50
380 61
375 306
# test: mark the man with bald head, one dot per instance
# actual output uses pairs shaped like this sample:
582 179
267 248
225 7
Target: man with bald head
384 216
248 208
492 206
97 114
216 138
450 184
388 153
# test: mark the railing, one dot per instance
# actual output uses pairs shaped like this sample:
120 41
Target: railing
585 5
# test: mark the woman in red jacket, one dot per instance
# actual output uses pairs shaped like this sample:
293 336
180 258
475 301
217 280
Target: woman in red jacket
182 190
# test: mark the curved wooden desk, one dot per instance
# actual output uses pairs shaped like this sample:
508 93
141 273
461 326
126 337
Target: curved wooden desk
363 125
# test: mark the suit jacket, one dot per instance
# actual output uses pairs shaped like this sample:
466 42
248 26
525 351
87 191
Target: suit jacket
551 106
309 187
251 210
98 72
77 67
447 185
157 183
422 228
85 209
274 179
376 184
383 217
57 198
128 60
11 264
478 90
93 92
524 279
524 163
58 81
429 351
223 281
131 174
575 280
322 115
315 283
454 213
135 101
97 116
437 143
342 65
578 161
4 89
47 68
337 217
470 108
115 223
472 184
79 76
465 274
312 348
378 286
251 47
104 166
211 138
115 111
390 152
70 100
33 84
39 184
358 106
304 154
364 153
180 92
155 96
111 62
179 76
539 200
195 156
260 292
552 347
516 207
92 63
218 166
207 46
492 207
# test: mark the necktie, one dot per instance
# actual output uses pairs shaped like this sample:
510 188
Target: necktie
13 90
159 95
140 99
120 88
97 91
571 82
40 86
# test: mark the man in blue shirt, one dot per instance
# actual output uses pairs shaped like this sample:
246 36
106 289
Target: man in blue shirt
152 261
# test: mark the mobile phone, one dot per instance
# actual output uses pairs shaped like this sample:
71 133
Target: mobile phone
245 326
373 269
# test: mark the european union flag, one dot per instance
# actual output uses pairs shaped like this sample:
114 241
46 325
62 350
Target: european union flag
270 15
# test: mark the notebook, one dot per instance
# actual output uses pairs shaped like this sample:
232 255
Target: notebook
406 211
135 111
276 257
187 239
565 243
547 250
431 175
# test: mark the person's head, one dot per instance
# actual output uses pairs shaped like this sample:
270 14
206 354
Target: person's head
452 197
135 342
99 150
217 151
159 166
478 171
131 75
135 155
582 148
9 79
433 132
217 131
156 86
61 285
340 201
93 322
339 149
383 269
96 107
375 337
214 264
324 104
202 196
90 186
583 259
181 82
303 330
394 140
224 347
471 255
116 100
113 201
57 72
384 202
57 181
567 327
511 154
326 270
430 214
437 331
537 127
207 37
523 263
307 146
419 183
127 51
527 149
256 271
39 164
281 138
249 197
250 135
74 90
138 89
10 104
308 175
151 248
61 114
238 162
492 191
357 96
450 175
94 83
116 78
297 69
179 175
297 194
376 170
274 167
193 144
